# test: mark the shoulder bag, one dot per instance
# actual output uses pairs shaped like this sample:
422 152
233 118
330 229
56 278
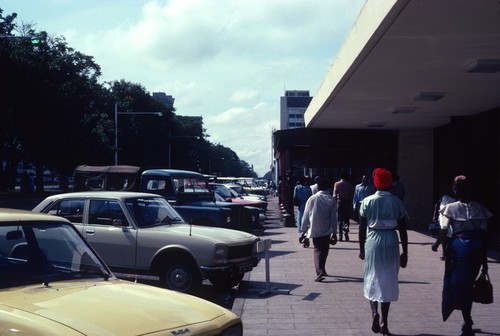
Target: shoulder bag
483 289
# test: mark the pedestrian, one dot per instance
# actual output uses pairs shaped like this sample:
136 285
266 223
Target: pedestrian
301 193
466 252
319 222
397 188
314 187
361 191
381 214
444 232
342 190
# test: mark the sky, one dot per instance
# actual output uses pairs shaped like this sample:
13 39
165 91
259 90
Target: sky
228 61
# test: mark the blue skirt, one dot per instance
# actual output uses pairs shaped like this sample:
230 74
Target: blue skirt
464 257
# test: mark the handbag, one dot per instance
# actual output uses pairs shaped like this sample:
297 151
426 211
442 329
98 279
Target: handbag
482 291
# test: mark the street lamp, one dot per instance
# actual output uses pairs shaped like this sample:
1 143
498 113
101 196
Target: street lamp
116 127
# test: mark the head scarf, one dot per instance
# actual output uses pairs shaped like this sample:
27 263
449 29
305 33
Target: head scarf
382 178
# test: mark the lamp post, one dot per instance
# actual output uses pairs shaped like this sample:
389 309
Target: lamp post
116 127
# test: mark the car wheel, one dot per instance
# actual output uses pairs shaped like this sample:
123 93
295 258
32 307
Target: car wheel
180 275
226 282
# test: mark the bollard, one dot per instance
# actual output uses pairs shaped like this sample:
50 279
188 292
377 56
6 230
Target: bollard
265 246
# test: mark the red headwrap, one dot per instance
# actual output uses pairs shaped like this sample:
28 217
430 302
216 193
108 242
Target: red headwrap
382 178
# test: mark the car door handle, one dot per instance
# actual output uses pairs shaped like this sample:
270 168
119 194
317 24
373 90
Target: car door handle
88 231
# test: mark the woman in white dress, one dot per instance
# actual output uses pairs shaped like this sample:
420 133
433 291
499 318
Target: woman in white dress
381 214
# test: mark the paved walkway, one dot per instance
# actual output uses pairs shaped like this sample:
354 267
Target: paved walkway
293 304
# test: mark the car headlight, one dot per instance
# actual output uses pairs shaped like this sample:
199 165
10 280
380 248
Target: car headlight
234 330
221 252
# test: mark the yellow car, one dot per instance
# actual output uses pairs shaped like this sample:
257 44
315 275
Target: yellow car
53 283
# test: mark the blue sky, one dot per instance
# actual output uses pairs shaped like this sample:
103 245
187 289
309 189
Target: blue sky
226 60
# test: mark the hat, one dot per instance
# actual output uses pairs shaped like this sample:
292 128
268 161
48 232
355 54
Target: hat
382 178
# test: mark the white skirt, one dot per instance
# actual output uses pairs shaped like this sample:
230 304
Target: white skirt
381 266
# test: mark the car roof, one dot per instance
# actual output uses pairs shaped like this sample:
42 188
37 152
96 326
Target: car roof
172 172
104 194
23 216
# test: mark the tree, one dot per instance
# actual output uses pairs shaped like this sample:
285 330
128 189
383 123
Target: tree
56 114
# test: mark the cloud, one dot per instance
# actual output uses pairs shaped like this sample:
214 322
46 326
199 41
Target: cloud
228 61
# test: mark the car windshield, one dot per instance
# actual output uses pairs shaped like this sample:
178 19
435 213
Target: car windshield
36 253
223 191
152 211
238 189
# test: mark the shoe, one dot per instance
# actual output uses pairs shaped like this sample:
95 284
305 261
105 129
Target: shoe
346 237
323 274
434 247
384 330
376 324
319 278
467 330
442 258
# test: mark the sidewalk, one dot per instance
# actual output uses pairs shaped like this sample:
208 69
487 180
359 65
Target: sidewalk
296 305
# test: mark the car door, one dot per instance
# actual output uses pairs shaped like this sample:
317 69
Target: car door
70 208
110 234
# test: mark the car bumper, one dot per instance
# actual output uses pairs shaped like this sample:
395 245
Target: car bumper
230 269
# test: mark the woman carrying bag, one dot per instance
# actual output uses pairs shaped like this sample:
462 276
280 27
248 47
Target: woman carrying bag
466 252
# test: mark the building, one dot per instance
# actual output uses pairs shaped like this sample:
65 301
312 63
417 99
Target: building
293 105
165 100
414 88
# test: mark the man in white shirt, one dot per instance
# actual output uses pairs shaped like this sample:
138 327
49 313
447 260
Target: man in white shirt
319 221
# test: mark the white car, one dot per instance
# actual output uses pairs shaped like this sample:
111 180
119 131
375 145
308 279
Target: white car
53 283
140 233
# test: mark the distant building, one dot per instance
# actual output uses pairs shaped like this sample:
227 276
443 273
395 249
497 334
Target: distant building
167 101
293 105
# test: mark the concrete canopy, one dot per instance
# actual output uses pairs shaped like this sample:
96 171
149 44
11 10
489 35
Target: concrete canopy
409 64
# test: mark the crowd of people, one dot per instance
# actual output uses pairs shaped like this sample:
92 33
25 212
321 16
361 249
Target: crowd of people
325 210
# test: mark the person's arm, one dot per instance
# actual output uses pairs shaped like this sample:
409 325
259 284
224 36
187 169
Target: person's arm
484 237
304 226
363 224
333 219
403 236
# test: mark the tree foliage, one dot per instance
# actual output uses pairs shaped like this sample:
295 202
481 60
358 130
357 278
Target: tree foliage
56 114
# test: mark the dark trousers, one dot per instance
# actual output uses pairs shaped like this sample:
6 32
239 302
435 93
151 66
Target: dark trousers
321 249
343 214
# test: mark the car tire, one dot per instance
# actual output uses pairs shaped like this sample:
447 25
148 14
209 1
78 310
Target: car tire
226 282
180 275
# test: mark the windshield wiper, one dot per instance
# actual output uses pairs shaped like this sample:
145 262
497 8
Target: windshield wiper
75 275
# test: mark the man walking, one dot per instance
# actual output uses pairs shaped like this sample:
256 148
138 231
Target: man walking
319 222
361 191
342 190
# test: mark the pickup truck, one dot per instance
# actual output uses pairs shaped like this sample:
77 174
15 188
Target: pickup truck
187 191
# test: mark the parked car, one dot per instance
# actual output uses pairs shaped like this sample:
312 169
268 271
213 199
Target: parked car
189 193
53 283
258 227
240 190
140 233
186 191
231 195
